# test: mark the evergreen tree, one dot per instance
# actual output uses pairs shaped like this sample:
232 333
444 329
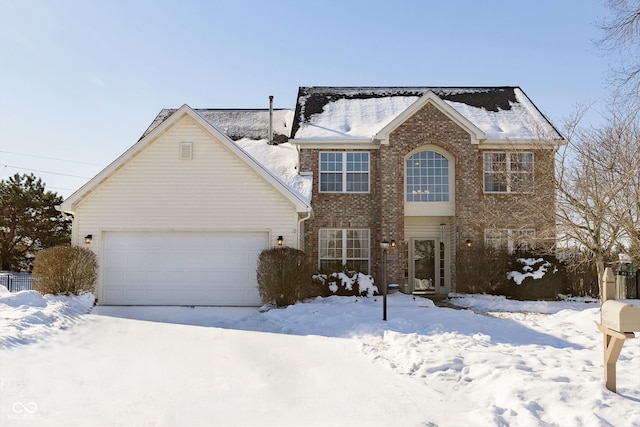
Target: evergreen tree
29 221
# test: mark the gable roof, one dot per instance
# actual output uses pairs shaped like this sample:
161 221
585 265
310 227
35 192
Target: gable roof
239 123
502 113
450 112
150 135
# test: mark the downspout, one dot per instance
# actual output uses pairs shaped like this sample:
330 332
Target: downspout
270 119
300 221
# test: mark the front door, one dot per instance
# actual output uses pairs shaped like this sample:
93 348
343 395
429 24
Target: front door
425 269
424 265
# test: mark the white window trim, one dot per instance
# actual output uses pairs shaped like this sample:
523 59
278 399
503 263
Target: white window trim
344 172
344 246
508 172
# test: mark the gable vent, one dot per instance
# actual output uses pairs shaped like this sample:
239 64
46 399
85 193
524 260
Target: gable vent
186 150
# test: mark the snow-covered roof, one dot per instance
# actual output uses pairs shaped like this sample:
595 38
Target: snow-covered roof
240 123
502 113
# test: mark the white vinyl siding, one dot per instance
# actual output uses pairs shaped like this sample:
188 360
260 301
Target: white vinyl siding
156 191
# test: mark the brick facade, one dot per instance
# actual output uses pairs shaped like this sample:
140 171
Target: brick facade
382 210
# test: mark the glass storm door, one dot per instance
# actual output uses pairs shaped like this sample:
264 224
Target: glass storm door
425 265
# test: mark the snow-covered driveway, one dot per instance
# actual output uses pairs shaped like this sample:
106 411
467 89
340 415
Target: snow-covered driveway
329 361
112 371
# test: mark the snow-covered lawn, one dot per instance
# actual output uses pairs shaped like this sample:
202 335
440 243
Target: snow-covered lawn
327 362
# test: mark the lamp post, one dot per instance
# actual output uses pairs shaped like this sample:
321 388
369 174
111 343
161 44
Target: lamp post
385 246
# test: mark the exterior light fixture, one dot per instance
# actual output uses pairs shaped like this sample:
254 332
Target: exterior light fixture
393 243
280 240
468 243
442 231
88 239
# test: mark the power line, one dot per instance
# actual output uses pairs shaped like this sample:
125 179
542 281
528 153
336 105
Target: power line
41 171
60 188
51 158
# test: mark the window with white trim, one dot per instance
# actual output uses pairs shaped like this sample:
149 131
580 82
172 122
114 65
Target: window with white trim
508 172
348 247
427 177
511 240
344 172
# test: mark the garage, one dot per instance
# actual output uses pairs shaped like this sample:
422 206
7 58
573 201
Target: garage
181 268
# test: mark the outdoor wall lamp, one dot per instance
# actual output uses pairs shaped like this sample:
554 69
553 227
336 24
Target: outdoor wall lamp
88 238
280 240
468 243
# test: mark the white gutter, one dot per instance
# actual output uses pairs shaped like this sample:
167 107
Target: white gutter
300 221
326 143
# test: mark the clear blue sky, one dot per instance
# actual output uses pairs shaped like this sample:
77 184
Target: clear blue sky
80 80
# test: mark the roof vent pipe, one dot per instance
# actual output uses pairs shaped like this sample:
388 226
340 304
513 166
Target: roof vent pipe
270 119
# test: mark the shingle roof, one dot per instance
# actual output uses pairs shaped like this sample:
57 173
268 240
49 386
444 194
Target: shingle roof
240 123
503 112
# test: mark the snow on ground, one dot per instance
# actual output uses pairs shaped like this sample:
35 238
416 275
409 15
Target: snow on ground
27 316
330 361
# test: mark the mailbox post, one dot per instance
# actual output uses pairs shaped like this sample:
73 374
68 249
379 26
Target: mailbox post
618 322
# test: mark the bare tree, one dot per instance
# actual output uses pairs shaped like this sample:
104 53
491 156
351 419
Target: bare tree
597 183
621 37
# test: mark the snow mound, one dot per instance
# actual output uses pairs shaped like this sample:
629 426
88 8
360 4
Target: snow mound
26 316
23 299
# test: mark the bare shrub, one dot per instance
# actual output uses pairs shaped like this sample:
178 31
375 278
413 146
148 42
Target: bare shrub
283 276
482 270
65 270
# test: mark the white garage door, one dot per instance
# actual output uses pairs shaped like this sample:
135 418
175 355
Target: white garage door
170 268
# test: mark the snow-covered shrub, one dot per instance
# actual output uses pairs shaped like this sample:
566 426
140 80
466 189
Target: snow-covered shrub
283 276
533 276
527 276
345 283
65 270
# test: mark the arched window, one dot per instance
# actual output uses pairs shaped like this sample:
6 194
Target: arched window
427 177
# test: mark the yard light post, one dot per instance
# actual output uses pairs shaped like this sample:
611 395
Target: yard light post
385 246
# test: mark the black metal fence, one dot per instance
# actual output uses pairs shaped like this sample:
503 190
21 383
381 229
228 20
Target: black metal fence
15 282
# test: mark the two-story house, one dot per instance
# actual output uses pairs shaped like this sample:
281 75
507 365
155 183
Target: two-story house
435 170
181 216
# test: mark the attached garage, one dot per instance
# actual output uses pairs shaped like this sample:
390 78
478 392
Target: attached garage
181 268
181 217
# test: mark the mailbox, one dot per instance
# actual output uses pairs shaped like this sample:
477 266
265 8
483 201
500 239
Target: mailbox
620 317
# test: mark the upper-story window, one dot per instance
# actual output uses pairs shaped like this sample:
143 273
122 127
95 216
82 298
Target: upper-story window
508 172
427 175
344 172
511 240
